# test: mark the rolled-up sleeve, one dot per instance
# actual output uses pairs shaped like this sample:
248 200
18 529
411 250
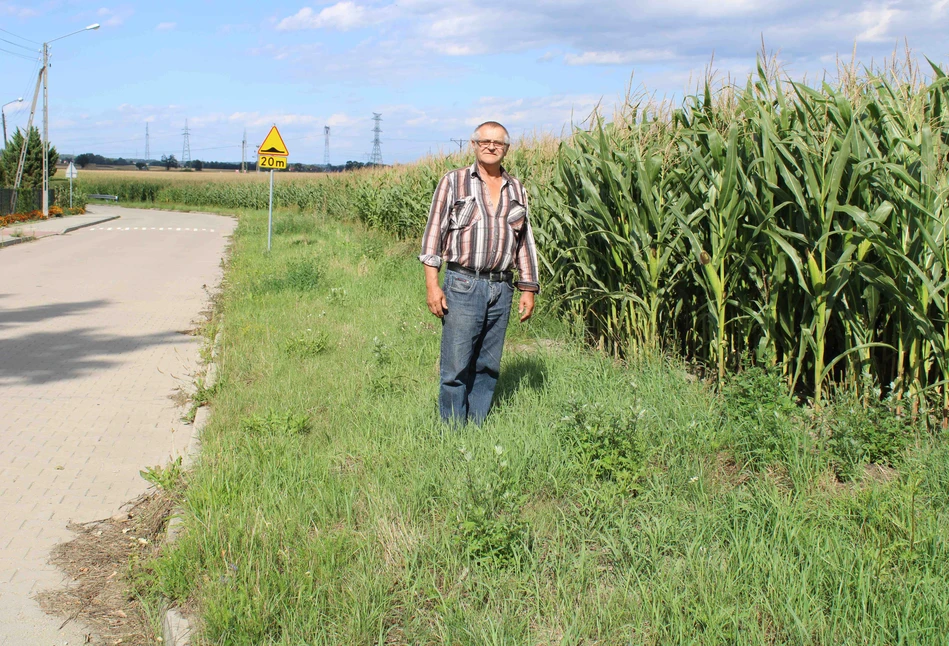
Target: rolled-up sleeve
525 256
437 225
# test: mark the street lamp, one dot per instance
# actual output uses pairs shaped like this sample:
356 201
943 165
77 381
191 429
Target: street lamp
4 115
46 114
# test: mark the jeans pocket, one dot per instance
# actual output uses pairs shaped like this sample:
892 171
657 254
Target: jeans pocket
460 284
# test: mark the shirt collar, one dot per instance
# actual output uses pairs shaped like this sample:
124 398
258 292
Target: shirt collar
504 175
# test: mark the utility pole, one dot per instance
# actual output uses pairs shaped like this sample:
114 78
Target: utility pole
326 148
147 155
45 131
244 152
4 115
376 157
186 147
461 144
45 146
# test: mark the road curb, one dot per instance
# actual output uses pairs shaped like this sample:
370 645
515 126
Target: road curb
175 627
89 224
9 242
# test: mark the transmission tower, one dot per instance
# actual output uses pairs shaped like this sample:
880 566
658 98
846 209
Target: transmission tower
186 147
460 142
244 152
376 157
147 150
326 148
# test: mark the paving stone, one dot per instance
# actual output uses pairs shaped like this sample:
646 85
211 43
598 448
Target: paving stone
89 354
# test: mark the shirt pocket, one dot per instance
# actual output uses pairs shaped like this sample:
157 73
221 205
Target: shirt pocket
462 213
517 216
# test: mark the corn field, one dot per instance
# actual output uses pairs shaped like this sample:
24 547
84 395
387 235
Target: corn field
781 224
777 223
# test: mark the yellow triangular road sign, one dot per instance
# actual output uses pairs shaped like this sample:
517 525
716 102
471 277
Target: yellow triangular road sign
273 144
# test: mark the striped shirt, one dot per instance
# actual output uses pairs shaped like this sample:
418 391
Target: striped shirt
461 227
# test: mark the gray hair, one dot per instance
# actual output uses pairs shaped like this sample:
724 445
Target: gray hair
507 136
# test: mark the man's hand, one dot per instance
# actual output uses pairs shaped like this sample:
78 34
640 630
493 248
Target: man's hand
526 306
437 304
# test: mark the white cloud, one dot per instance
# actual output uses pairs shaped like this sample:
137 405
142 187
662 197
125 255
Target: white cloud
618 58
165 26
17 11
114 18
877 21
342 16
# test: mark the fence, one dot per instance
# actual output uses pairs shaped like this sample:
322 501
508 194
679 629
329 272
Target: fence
28 199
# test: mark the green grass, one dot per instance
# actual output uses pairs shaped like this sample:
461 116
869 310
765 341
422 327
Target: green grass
601 503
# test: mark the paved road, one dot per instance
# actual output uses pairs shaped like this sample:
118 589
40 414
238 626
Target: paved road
91 348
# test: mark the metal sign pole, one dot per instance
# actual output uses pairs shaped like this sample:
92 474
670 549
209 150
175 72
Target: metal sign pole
270 213
70 192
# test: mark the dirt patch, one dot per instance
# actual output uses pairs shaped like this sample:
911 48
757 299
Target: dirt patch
101 596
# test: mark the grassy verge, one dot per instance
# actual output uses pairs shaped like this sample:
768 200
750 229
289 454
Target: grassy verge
600 503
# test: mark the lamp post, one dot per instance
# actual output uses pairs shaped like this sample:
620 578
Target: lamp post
4 116
46 114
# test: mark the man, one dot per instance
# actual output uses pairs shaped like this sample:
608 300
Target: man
478 228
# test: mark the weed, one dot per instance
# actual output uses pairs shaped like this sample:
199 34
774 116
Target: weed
490 529
373 249
277 423
381 352
864 431
606 444
337 295
202 397
761 417
306 344
300 274
168 478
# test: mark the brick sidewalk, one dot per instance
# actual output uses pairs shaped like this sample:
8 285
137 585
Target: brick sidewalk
91 349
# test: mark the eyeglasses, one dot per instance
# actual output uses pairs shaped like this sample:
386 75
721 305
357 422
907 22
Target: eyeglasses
490 143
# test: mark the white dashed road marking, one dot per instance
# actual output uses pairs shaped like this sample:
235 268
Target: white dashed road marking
195 230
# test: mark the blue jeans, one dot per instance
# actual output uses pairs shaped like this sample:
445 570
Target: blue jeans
472 339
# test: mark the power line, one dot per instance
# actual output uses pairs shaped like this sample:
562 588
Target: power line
147 151
20 37
29 49
19 55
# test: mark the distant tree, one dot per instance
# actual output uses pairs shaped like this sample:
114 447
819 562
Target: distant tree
33 165
197 164
169 162
141 165
83 160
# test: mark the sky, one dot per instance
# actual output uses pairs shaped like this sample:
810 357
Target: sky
432 69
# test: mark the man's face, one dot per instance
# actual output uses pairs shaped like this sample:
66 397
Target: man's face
489 153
